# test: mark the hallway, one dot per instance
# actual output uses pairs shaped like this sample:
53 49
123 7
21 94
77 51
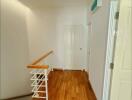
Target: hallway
69 85
71 30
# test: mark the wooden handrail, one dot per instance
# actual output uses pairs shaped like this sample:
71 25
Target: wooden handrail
38 66
41 58
33 65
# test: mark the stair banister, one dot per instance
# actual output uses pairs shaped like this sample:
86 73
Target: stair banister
39 77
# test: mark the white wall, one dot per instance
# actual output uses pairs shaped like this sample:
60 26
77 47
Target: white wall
98 41
46 29
41 32
14 50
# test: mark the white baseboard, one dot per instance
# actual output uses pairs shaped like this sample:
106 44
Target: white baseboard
67 68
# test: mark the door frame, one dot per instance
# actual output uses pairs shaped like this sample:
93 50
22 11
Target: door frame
110 66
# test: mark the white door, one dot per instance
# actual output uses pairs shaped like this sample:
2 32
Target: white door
122 73
75 47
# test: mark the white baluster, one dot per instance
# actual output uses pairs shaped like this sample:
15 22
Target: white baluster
46 84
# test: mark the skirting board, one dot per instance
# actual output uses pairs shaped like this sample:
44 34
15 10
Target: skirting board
66 68
18 97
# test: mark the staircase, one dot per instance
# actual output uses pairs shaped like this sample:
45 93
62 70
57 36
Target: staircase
39 78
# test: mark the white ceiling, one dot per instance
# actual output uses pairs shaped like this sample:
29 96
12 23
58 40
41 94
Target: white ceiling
54 3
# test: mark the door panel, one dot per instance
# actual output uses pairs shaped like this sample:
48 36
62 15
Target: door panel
122 73
79 46
125 91
75 46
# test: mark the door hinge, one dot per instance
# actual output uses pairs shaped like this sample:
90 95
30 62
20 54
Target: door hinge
117 15
111 66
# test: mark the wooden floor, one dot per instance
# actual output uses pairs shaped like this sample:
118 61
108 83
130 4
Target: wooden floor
69 85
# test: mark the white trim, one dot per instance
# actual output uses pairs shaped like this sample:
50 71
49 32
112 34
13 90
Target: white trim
110 50
67 68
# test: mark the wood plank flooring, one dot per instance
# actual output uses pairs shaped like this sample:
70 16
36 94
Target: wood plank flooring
69 85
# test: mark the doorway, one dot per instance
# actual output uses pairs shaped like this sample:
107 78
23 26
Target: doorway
75 46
